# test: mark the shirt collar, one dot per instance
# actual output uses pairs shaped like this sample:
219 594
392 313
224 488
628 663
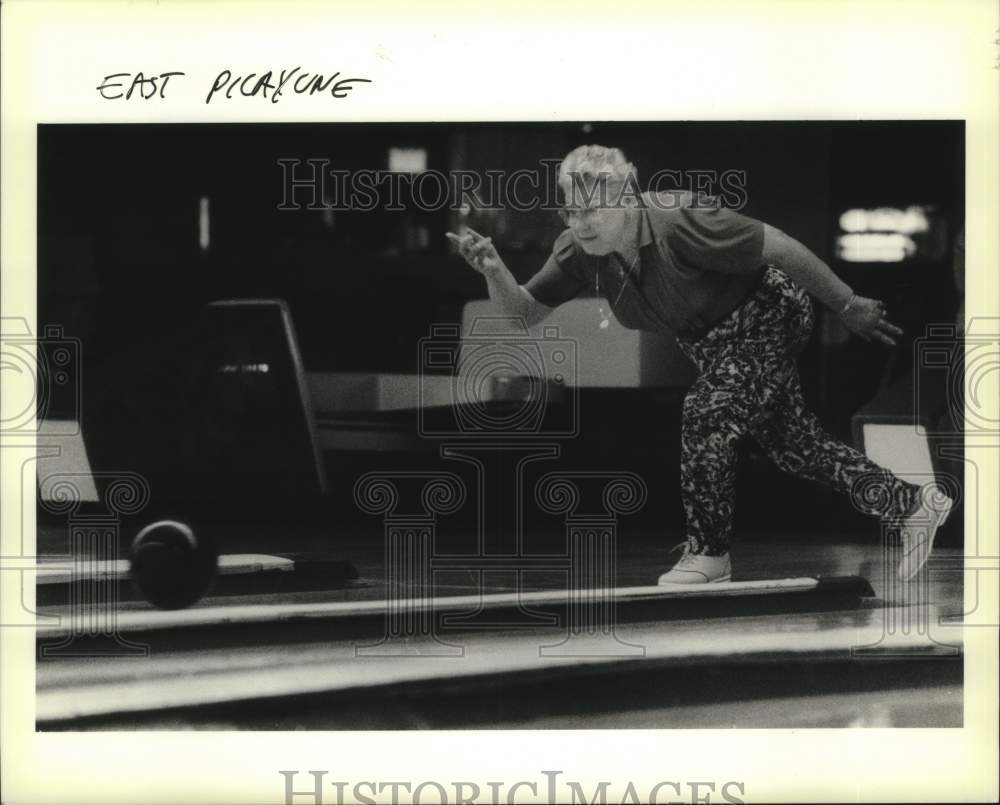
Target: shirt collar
645 230
643 233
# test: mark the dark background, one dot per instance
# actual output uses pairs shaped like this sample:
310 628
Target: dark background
119 264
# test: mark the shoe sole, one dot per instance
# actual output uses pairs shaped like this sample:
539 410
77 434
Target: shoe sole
720 580
932 528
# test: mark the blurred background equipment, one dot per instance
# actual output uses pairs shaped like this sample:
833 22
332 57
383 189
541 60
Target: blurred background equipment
128 262
217 410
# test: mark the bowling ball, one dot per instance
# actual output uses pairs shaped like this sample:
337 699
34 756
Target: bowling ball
170 565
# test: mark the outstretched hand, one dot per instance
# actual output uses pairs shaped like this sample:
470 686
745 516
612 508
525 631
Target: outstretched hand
868 319
478 251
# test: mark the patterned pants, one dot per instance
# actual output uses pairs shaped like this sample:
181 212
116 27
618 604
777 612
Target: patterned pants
748 384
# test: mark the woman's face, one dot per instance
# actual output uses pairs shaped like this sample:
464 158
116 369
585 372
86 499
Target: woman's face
597 227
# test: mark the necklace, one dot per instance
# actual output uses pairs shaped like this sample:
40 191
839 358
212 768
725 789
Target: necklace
606 315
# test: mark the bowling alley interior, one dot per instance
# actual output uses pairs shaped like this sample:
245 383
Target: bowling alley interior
296 471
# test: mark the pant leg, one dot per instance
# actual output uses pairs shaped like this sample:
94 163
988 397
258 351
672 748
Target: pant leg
795 441
744 362
749 384
791 434
727 401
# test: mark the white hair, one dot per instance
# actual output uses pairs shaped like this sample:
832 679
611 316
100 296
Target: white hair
588 165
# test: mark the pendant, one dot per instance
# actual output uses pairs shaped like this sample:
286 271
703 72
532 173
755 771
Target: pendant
604 324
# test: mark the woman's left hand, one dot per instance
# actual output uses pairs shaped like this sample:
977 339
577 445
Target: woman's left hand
869 319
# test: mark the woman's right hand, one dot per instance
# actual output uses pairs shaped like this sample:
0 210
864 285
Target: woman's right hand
869 319
479 252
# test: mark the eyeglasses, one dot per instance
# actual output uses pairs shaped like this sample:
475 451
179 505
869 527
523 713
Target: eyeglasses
586 214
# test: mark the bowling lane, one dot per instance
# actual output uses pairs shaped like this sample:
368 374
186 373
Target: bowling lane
711 660
642 555
751 671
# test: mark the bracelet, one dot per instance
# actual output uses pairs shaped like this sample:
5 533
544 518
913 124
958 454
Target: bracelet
848 305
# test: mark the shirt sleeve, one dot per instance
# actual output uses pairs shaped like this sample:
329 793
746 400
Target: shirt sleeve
563 275
707 237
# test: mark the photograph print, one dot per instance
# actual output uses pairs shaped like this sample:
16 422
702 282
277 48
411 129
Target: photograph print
526 425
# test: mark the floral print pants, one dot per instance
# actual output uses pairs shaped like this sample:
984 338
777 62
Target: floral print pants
748 384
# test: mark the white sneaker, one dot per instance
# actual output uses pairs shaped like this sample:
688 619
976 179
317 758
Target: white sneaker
918 529
693 568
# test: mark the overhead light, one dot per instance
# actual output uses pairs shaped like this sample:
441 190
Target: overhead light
407 160
204 224
875 247
909 221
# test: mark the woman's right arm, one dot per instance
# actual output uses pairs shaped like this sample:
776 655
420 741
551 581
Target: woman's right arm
511 298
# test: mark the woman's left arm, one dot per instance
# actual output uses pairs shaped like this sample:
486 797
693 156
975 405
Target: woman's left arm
866 317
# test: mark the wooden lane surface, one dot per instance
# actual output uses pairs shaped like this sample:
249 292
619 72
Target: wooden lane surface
663 597
71 690
59 572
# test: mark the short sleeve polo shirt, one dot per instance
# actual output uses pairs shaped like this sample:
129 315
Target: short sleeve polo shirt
697 262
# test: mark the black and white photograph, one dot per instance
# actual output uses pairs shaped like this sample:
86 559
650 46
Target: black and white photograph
514 425
468 429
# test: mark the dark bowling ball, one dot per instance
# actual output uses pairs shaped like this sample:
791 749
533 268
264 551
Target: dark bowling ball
170 565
